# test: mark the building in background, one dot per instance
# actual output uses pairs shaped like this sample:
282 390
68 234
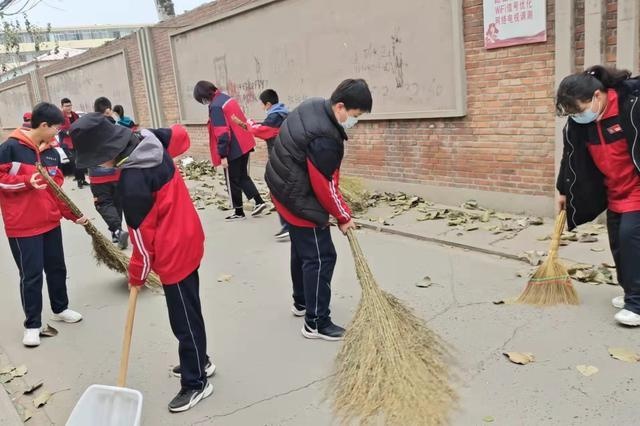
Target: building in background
41 61
62 38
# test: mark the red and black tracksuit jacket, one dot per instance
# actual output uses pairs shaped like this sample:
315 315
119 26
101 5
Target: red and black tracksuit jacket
65 139
164 226
323 164
27 211
269 128
226 138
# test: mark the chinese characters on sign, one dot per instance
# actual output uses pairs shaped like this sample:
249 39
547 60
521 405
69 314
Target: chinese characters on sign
513 22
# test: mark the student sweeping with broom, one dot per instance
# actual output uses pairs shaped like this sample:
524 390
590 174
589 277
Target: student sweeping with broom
166 233
600 168
303 175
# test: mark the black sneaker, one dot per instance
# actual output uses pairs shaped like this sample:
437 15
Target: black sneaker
259 208
235 217
330 332
188 398
283 234
123 239
210 369
114 237
298 310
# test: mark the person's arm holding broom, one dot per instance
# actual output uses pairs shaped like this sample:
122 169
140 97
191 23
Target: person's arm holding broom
141 218
66 212
323 163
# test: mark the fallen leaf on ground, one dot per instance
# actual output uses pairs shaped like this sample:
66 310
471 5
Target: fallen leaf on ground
5 378
587 238
6 370
533 257
19 371
48 331
24 413
505 302
33 388
597 249
488 419
624 354
587 370
42 399
424 283
535 221
225 278
522 358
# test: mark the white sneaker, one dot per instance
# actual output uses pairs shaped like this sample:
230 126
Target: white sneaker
31 337
628 318
618 302
67 316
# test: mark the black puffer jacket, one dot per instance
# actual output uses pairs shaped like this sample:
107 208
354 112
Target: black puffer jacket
579 178
287 174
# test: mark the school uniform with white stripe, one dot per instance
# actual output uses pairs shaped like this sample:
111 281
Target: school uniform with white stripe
32 224
167 238
303 174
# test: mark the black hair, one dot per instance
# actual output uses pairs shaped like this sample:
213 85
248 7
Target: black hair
582 86
45 112
204 91
354 94
101 105
118 109
65 101
270 96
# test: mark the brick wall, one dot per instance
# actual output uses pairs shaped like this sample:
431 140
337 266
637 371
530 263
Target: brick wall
506 141
504 144
127 44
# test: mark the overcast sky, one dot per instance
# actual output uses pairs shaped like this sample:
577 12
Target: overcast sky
64 13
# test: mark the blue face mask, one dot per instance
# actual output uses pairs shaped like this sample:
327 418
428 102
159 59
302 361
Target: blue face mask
586 117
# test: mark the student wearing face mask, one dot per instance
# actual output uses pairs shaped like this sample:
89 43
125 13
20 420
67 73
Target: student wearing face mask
600 168
303 175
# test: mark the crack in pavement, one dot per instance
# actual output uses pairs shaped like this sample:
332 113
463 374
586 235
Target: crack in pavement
478 369
271 398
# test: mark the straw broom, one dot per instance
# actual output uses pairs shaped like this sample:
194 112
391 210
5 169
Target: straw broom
551 283
105 251
391 367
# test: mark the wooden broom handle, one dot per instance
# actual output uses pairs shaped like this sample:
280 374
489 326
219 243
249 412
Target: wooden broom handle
128 330
557 234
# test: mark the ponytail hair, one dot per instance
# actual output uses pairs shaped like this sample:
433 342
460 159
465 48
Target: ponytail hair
580 87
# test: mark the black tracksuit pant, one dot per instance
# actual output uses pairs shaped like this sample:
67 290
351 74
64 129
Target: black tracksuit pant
187 324
624 239
32 256
107 202
241 182
313 258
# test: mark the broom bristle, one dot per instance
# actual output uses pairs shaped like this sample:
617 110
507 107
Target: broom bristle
549 285
391 366
105 252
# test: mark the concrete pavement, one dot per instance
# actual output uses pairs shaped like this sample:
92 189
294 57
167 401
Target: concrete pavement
269 375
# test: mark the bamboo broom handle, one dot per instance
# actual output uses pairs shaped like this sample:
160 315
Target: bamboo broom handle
128 331
58 191
557 234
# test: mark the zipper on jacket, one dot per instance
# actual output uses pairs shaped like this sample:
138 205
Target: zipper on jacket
575 176
635 138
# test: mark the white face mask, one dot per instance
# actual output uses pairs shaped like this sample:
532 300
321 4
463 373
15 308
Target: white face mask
351 121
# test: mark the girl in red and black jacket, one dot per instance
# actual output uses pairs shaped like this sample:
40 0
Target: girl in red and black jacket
31 213
600 168
165 230
230 146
